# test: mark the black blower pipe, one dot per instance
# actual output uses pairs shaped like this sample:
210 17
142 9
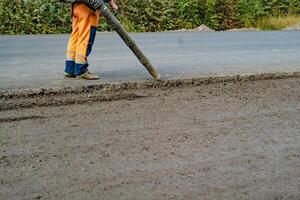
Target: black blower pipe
112 21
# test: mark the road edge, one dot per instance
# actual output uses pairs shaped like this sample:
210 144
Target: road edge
169 83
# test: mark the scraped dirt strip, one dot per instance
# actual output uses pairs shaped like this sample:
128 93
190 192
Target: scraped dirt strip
113 92
15 119
171 83
61 100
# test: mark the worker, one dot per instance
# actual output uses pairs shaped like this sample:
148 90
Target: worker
84 26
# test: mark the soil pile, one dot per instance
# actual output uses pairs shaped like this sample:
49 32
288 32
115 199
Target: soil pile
242 29
202 28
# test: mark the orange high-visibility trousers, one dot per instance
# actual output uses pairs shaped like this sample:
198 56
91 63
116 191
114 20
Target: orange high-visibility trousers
84 25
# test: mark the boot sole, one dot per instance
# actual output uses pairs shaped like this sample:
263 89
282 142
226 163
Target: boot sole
88 79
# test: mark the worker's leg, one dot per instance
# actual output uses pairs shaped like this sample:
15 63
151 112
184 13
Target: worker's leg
72 45
94 20
87 31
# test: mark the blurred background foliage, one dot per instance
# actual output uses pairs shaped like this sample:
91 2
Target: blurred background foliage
49 16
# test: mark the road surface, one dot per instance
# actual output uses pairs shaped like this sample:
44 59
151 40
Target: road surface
38 61
216 141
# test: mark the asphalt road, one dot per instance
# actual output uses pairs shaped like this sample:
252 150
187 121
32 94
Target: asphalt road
38 61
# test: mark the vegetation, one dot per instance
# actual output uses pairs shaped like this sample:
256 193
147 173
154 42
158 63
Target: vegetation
48 16
33 16
277 23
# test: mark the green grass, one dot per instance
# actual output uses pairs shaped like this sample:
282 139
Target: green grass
277 23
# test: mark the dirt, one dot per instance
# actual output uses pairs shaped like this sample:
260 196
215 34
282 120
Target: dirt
201 28
204 28
242 29
224 140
